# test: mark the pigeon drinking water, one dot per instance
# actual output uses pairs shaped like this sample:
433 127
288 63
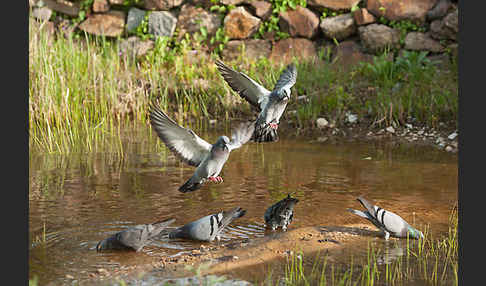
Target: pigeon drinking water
386 221
271 105
135 237
281 213
209 227
208 158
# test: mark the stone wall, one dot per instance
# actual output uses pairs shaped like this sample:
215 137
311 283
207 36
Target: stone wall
346 30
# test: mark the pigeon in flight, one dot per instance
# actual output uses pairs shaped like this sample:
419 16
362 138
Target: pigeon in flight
190 148
280 213
271 105
135 237
387 221
209 227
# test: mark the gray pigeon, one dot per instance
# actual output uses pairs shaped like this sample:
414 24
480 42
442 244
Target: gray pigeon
190 148
135 237
280 213
387 221
271 105
209 227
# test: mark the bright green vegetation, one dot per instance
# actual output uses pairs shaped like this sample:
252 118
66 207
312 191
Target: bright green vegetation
83 91
430 261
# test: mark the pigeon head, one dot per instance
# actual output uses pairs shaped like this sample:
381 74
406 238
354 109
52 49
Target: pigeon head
414 233
102 245
222 143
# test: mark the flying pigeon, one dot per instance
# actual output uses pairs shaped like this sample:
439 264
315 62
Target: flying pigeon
190 148
386 221
280 213
135 237
271 105
209 227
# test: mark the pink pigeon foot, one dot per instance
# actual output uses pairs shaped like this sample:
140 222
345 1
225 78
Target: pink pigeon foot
273 125
213 179
219 179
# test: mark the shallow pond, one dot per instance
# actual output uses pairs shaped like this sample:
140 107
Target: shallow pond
78 199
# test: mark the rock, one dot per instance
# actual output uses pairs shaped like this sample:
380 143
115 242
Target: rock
363 17
449 148
43 13
163 5
262 9
231 2
135 47
134 19
451 21
192 18
414 10
65 7
339 27
452 136
322 139
348 53
408 125
116 2
284 50
110 24
390 129
100 6
161 23
251 48
321 123
439 31
300 22
239 24
212 121
376 37
333 4
351 118
417 41
439 10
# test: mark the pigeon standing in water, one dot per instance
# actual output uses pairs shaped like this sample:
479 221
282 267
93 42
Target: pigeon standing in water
209 227
190 148
271 105
386 221
135 237
281 213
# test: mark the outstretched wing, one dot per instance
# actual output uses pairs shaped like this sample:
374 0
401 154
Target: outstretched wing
183 142
241 135
247 88
287 79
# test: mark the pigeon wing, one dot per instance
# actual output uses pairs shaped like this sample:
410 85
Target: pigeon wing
247 88
241 135
184 143
287 79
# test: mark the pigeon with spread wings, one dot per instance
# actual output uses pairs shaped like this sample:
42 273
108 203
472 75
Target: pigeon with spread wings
208 158
270 104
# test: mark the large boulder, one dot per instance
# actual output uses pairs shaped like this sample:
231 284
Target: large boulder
300 22
333 4
239 24
262 9
285 50
349 53
232 2
161 23
396 10
375 38
110 24
191 19
65 7
440 10
417 41
338 27
452 21
135 47
252 48
134 19
100 6
163 5
445 28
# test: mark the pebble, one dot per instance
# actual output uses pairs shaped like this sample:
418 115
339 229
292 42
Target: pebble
351 118
449 148
452 136
390 129
420 132
408 125
322 139
321 122
212 121
68 276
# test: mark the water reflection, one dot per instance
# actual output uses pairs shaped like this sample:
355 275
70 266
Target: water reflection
79 199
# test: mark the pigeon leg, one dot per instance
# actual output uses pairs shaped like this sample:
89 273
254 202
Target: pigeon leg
212 179
387 235
219 179
273 125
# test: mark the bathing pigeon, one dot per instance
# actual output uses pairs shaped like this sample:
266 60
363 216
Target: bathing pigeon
190 148
135 237
280 213
271 105
387 221
209 227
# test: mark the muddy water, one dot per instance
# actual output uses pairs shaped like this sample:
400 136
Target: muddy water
76 200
